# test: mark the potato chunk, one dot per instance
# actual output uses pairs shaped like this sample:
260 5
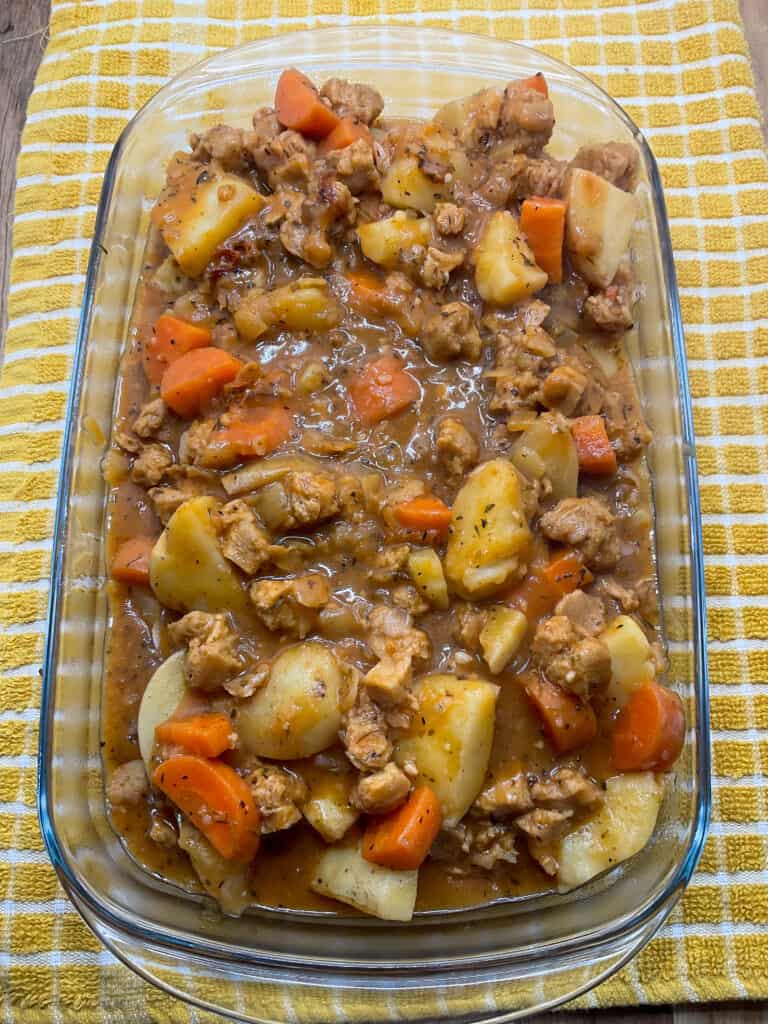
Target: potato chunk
450 739
190 539
632 661
426 571
159 701
505 268
199 210
621 828
304 305
298 712
490 538
384 240
328 809
343 874
406 187
501 636
547 449
598 225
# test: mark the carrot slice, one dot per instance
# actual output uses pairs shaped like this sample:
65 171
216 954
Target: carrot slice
171 339
542 221
540 591
593 447
347 131
568 722
131 561
382 389
255 433
207 735
650 730
215 799
196 377
537 82
298 106
425 513
401 840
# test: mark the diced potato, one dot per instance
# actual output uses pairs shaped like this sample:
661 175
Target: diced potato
620 829
501 636
450 739
169 277
199 211
490 538
260 472
328 809
426 571
159 701
383 240
598 225
343 874
226 881
190 539
311 378
547 449
505 268
297 713
406 187
632 661
303 305
481 108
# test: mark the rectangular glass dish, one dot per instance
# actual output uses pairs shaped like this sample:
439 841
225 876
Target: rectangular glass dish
492 963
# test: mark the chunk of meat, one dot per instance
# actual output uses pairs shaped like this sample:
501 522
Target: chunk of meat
364 734
438 264
290 606
587 524
391 634
389 563
544 824
212 655
624 423
241 539
193 443
520 176
506 796
452 333
285 158
480 120
128 784
626 597
184 482
614 161
567 789
406 596
223 144
150 465
468 624
449 218
355 166
563 388
278 794
611 309
568 658
151 419
306 228
483 843
457 450
525 355
353 99
163 833
586 613
527 118
387 680
381 791
312 497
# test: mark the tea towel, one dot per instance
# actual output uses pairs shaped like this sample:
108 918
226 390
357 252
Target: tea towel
681 69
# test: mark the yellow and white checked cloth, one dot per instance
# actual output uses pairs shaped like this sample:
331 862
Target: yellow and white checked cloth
681 69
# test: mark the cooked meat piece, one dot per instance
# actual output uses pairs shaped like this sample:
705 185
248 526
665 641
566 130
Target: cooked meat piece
163 833
457 450
569 659
387 680
407 596
312 497
319 443
355 166
626 597
567 789
611 308
290 606
506 796
527 118
285 159
241 538
520 176
452 333
193 443
480 121
449 218
562 389
212 649
614 161
353 99
128 784
382 791
389 563
391 634
587 524
278 794
525 355
151 419
223 144
543 824
184 482
165 501
483 842
625 425
587 613
364 735
150 465
438 264
468 623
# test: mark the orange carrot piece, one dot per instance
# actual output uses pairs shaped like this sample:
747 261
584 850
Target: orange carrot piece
382 389
401 840
368 292
568 722
650 730
255 433
540 591
131 561
542 221
537 82
215 799
425 513
207 735
171 339
347 131
196 377
298 106
593 447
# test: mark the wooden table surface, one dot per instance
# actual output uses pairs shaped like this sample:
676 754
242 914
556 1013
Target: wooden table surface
23 35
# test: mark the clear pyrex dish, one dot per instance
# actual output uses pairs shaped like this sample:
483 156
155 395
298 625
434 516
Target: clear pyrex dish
489 964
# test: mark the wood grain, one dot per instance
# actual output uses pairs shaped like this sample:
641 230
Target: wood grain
23 33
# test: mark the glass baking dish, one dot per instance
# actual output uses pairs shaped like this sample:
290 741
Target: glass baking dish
487 964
